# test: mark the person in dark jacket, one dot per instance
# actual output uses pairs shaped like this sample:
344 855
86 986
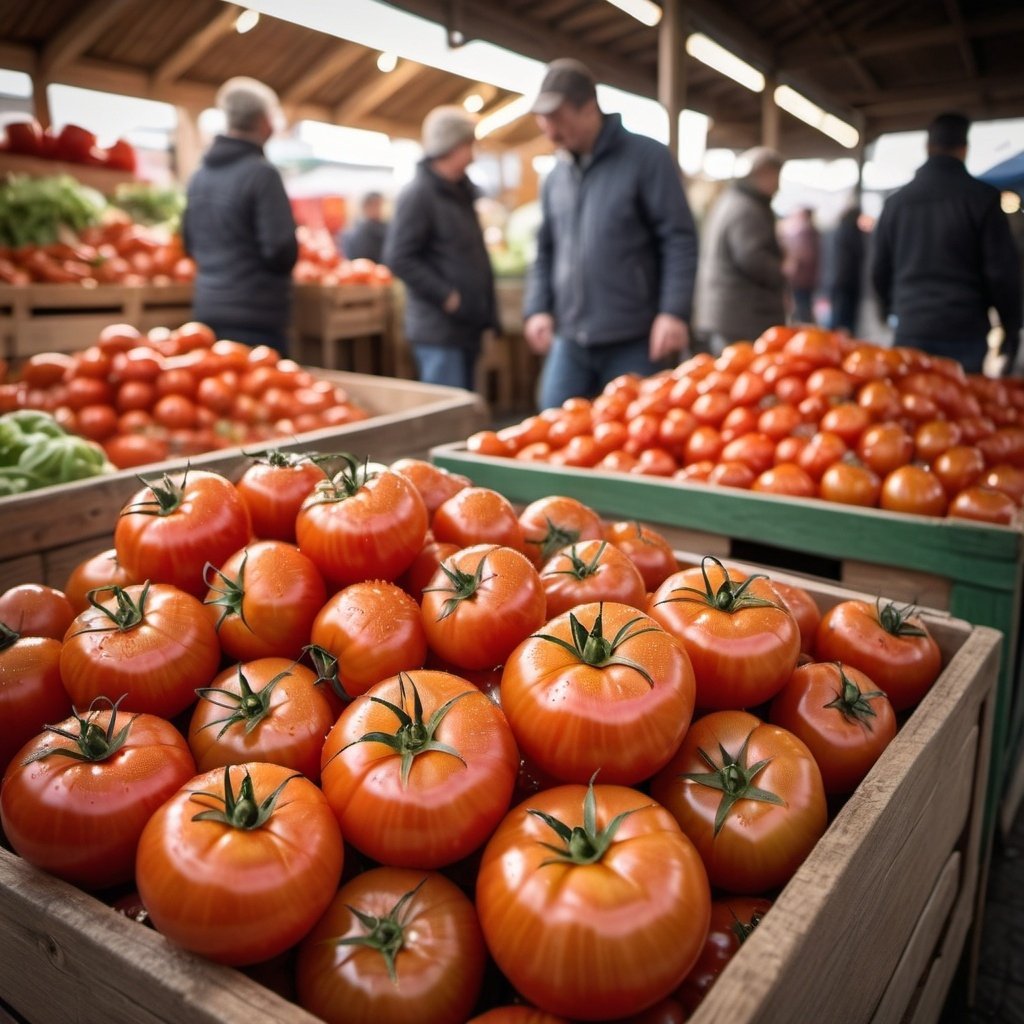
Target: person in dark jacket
944 256
365 239
434 244
611 288
238 225
741 287
847 271
801 247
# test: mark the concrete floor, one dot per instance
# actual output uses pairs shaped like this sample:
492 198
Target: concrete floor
999 990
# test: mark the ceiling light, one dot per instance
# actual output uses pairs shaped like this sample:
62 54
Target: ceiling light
246 21
387 61
506 114
707 51
474 103
645 11
810 113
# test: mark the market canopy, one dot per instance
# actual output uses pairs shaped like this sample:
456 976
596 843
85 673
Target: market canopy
881 65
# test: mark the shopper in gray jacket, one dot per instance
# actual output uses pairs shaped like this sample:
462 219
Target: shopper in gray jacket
238 225
434 244
611 288
741 287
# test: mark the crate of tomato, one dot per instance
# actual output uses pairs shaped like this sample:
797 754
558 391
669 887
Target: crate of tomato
812 452
462 789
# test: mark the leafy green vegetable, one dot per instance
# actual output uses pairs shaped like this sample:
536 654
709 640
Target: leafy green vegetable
35 451
151 204
33 210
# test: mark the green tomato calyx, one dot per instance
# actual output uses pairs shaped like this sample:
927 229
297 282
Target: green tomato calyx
246 707
730 597
243 811
385 934
92 742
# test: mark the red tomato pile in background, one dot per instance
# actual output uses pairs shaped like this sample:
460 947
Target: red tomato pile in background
320 262
72 143
524 737
805 413
117 251
149 397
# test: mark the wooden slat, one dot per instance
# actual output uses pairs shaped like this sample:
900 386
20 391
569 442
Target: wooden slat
375 91
335 64
77 34
174 65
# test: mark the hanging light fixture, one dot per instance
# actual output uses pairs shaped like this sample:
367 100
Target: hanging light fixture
247 21
645 11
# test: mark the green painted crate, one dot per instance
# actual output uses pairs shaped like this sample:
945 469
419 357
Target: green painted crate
973 570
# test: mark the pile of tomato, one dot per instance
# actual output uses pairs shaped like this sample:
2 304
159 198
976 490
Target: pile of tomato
117 251
320 262
167 393
72 143
431 756
805 413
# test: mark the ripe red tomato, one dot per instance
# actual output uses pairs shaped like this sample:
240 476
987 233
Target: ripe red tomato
395 945
750 797
934 437
848 420
1008 479
733 919
100 570
742 641
550 524
373 630
881 398
126 451
610 900
76 797
366 523
803 609
269 709
151 644
820 452
786 478
649 551
755 450
915 490
426 563
263 600
517 1014
843 718
850 484
600 688
419 770
959 467
240 863
732 474
890 645
478 515
273 488
32 609
31 691
480 604
591 571
168 531
984 504
435 484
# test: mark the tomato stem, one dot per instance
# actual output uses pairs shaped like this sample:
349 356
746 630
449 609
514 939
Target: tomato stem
734 778
556 538
730 596
895 621
92 742
8 637
413 736
593 648
167 496
328 670
852 702
243 811
581 844
463 585
127 615
385 934
578 568
245 706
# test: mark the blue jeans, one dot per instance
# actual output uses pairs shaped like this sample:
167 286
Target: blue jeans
573 371
439 365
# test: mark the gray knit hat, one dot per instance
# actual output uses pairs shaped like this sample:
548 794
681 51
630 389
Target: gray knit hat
445 128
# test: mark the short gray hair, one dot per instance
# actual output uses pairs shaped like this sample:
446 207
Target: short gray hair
244 101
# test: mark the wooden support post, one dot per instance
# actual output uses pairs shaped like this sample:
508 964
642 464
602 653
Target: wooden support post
188 146
672 68
40 101
769 114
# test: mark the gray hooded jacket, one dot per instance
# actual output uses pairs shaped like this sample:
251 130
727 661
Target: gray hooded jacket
617 245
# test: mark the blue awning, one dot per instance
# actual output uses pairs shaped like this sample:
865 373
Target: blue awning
1008 174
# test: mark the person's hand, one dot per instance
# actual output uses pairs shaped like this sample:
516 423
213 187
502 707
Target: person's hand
669 335
539 331
452 302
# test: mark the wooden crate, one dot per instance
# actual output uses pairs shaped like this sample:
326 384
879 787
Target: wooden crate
871 925
64 318
973 570
45 533
342 327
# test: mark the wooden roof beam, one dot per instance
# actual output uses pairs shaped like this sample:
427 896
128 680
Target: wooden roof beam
963 42
175 64
376 91
77 34
824 25
319 74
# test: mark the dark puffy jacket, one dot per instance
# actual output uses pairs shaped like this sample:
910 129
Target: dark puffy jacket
617 245
943 255
364 241
238 227
435 246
